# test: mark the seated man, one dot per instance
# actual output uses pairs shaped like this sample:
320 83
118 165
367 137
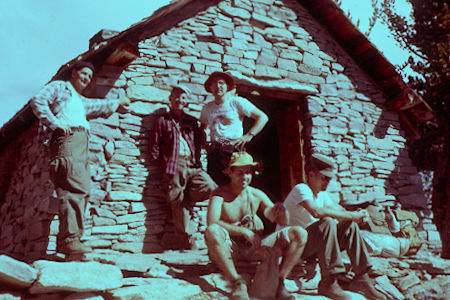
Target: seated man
234 227
175 144
330 228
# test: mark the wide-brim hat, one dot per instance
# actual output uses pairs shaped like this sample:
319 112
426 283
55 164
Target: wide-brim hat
323 164
229 80
241 159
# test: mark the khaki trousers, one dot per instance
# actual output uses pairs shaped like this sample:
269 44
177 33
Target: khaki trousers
327 238
69 171
188 185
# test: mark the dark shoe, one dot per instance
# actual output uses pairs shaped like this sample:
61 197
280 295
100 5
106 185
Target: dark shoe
239 290
363 285
282 292
330 288
74 247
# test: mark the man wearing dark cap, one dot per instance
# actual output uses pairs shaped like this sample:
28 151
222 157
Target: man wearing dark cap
330 228
175 145
224 117
62 111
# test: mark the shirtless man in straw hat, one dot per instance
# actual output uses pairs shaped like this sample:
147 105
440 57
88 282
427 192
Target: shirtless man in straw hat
234 227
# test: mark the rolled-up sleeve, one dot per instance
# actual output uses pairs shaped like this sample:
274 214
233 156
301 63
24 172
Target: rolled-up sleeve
100 107
41 103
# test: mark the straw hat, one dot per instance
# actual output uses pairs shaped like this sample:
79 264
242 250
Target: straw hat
240 159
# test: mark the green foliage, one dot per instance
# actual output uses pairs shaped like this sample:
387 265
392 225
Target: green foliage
426 34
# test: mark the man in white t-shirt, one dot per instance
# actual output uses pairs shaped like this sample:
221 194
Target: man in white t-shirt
224 116
330 229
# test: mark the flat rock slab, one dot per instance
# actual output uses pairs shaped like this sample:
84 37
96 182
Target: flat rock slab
15 273
75 276
83 296
11 296
158 288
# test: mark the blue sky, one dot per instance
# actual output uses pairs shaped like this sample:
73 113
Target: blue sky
38 36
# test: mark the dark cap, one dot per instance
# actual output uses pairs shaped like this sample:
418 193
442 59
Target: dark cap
323 164
83 64
229 80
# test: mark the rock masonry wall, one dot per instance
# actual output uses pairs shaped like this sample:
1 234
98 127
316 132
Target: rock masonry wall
263 41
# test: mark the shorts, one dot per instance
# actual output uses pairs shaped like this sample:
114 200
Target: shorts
239 247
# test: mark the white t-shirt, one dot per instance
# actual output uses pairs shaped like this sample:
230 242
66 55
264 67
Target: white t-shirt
225 120
74 113
298 215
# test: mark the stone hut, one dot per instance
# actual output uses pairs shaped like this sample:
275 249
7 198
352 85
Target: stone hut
324 86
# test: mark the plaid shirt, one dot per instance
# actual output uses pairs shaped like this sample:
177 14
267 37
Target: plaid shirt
53 98
164 143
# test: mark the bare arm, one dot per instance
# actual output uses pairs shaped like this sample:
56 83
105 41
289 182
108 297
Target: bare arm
203 127
261 120
275 213
214 217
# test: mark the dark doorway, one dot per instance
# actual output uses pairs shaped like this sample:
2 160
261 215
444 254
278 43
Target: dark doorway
279 146
264 147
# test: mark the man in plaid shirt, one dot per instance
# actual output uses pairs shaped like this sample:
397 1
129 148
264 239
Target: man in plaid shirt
62 112
175 145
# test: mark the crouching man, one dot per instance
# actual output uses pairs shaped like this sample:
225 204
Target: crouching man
234 227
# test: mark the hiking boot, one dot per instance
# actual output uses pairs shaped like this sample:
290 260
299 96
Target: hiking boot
282 292
363 285
239 290
330 288
74 247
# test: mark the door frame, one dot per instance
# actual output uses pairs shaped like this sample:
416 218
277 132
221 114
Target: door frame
291 133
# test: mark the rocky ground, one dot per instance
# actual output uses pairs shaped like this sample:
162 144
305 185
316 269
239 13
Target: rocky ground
189 274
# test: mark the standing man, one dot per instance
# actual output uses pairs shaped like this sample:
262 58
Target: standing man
224 117
234 227
62 111
175 145
330 228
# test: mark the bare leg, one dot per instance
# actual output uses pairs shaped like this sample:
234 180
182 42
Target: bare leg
298 237
220 252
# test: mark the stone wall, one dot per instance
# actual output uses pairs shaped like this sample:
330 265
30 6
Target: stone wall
266 43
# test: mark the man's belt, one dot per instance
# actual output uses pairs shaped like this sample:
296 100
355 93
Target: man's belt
78 128
221 143
71 129
185 157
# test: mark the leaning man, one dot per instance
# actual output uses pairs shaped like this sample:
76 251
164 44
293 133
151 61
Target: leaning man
234 228
62 111
175 145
